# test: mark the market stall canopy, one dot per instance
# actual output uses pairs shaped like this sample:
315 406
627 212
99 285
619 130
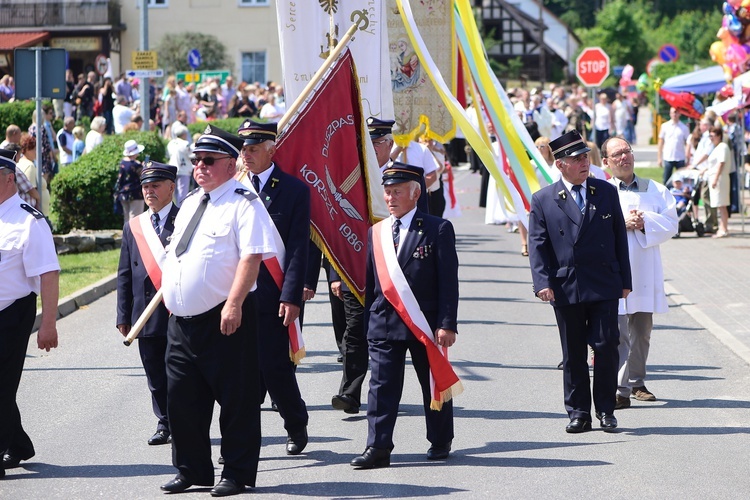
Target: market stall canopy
703 81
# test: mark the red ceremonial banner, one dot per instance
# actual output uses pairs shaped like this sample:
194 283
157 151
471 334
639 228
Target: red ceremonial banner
322 146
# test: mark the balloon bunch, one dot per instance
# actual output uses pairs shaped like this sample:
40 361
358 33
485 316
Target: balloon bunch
732 52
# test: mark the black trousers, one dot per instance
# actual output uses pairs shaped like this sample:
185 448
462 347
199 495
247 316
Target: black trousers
203 367
437 200
277 370
386 386
338 315
153 351
16 322
355 348
589 324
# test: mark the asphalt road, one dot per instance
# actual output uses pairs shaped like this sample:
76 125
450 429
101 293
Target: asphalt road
87 408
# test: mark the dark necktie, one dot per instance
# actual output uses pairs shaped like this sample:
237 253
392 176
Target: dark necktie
396 233
155 223
190 229
256 183
579 197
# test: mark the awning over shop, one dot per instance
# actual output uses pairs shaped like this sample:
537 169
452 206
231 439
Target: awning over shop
703 81
10 41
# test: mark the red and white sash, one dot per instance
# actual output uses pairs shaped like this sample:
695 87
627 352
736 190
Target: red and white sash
444 383
149 246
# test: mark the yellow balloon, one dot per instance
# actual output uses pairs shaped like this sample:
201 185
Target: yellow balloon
717 51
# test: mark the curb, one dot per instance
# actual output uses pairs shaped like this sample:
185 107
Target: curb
71 303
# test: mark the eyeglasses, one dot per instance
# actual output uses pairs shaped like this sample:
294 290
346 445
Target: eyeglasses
541 146
207 160
379 143
619 154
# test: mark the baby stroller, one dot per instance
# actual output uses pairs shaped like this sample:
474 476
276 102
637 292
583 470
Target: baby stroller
685 222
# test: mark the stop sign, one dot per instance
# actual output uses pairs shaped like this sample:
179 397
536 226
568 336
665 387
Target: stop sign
592 66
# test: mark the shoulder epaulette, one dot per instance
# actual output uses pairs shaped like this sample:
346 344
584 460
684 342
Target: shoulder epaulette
191 193
249 195
33 211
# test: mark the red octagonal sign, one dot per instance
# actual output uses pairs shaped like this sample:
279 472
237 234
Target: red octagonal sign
592 66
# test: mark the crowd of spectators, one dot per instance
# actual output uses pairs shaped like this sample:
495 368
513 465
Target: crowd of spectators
106 107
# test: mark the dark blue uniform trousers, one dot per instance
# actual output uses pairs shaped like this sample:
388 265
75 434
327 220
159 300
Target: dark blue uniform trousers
386 386
581 325
153 351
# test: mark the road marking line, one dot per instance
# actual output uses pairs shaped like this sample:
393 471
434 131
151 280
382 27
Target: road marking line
721 334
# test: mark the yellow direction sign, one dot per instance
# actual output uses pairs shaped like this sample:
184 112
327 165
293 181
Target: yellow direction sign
144 59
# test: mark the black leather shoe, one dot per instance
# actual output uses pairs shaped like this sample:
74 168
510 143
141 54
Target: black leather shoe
227 487
340 359
176 485
372 458
12 461
439 452
296 442
608 421
221 460
578 425
160 437
346 403
274 407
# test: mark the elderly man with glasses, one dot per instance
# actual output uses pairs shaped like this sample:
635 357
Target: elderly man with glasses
650 220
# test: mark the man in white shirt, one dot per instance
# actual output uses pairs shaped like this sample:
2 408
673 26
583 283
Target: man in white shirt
673 136
121 114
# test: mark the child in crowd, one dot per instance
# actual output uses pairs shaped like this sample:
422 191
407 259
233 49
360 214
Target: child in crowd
78 144
681 194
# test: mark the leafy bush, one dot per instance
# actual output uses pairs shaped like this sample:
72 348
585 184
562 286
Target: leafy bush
82 193
16 113
229 124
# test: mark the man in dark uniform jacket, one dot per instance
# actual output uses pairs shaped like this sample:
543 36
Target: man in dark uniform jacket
135 287
425 249
355 360
579 262
287 200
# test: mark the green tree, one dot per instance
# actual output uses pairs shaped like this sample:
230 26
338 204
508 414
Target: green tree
174 47
618 32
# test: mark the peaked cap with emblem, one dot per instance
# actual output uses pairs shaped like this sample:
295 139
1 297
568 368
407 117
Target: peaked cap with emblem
8 159
379 128
155 171
216 140
399 172
252 132
570 144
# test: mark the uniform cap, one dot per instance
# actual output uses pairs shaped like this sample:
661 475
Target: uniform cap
216 140
399 172
570 144
252 132
155 171
379 128
8 159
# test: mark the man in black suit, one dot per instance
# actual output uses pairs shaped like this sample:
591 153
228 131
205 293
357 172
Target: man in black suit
579 263
287 200
139 277
412 274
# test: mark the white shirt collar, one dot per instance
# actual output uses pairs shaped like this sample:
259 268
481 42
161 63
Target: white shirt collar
263 176
569 186
406 219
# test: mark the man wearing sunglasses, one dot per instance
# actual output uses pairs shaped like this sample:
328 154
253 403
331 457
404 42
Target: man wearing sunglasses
221 234
287 200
